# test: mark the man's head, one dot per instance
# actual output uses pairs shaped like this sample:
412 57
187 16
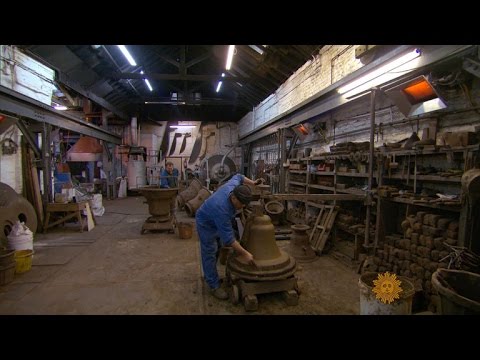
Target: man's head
169 167
242 195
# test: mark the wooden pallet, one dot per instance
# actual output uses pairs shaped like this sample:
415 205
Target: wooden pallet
322 227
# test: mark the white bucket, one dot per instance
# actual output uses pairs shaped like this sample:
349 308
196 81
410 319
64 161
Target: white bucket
370 305
96 202
122 190
20 238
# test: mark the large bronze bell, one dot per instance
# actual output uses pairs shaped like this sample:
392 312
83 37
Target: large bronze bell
194 204
189 193
271 263
272 271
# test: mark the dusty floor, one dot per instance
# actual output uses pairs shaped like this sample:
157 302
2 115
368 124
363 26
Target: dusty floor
113 269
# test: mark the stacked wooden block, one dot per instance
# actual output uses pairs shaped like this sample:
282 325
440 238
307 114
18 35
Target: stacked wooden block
419 252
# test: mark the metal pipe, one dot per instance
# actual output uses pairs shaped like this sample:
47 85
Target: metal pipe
47 173
222 170
370 165
207 180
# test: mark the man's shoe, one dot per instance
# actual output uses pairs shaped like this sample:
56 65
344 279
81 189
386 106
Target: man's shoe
220 293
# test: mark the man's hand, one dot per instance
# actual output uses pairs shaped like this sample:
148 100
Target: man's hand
247 258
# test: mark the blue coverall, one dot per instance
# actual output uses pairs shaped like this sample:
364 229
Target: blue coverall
214 219
167 180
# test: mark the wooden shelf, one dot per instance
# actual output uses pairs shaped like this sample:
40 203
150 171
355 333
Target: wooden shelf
321 187
297 183
329 173
440 151
351 191
362 175
436 178
429 205
298 171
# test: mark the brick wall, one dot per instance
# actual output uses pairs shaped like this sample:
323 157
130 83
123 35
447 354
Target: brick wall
351 121
332 63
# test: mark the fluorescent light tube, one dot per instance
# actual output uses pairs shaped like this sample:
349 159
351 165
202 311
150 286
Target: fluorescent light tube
231 49
147 82
127 55
380 75
257 49
219 85
182 126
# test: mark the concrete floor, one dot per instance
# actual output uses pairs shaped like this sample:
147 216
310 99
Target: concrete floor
113 269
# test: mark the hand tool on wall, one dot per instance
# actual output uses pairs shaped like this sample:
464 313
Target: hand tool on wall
174 143
184 142
165 143
196 146
206 144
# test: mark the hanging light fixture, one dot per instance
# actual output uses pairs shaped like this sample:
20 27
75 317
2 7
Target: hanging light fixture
381 75
231 49
415 97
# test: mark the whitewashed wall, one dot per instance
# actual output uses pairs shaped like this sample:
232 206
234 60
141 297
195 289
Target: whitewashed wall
332 63
25 75
11 165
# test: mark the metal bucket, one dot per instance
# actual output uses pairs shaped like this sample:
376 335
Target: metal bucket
458 290
136 173
370 305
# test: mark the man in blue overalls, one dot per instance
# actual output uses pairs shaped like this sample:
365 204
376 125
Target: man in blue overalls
169 179
169 176
214 219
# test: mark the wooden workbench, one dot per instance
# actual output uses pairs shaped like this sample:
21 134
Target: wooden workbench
68 210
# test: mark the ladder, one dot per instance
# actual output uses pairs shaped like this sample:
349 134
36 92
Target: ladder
322 227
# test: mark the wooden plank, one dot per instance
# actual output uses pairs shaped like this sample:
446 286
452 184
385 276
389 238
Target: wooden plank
318 197
90 219
53 207
37 199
